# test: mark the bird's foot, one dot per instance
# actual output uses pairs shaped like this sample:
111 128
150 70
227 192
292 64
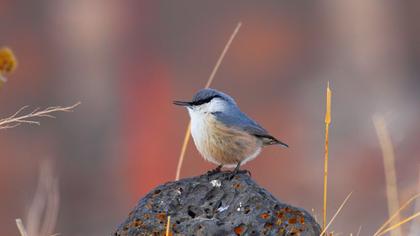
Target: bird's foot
215 170
238 171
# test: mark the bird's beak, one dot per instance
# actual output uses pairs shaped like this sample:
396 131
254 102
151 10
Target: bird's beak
182 103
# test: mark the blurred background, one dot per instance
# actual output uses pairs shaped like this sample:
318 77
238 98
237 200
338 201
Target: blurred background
127 60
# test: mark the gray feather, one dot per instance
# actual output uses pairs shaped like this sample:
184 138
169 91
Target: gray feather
237 119
233 117
209 92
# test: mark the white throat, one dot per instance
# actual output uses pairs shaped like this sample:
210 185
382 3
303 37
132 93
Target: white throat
200 120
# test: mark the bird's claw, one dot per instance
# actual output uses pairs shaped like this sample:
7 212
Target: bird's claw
215 170
237 171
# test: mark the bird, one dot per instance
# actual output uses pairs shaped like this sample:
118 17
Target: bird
222 133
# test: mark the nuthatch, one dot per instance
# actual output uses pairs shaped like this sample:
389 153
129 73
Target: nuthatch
222 133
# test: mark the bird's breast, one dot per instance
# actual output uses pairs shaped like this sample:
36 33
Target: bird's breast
200 128
221 144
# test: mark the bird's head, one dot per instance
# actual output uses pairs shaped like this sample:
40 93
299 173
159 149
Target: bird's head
208 101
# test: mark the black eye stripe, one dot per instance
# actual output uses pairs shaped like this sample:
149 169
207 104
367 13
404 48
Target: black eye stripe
206 100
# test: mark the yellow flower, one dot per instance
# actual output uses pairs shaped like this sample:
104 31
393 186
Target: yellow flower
8 62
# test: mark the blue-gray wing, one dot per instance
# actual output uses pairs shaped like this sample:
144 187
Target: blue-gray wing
237 119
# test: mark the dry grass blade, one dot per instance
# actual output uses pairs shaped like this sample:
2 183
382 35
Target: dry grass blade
398 224
43 212
397 213
225 49
314 214
183 150
389 168
168 226
16 119
336 214
327 125
360 230
51 209
415 225
209 81
20 227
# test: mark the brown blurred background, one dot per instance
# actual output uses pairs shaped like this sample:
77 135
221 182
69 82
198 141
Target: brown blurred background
127 60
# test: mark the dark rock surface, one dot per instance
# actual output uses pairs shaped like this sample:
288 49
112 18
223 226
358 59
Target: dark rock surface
216 205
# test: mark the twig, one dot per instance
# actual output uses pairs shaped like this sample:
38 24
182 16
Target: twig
209 81
336 214
389 168
16 120
327 125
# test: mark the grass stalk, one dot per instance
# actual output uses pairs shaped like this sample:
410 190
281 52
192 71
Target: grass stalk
327 125
209 82
389 168
397 213
398 224
336 214
20 227
168 226
358 231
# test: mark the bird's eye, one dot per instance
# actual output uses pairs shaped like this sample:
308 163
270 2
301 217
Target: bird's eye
205 100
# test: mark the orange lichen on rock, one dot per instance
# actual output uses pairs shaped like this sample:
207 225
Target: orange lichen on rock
268 225
239 230
137 223
280 214
292 221
161 216
302 220
249 210
264 215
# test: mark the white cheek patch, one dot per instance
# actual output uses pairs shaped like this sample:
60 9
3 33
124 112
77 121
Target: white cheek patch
215 105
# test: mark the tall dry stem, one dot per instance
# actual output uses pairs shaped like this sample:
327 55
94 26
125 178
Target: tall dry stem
43 211
327 126
397 226
415 225
209 81
389 168
396 214
324 231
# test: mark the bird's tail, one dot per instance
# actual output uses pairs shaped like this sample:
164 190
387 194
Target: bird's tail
270 140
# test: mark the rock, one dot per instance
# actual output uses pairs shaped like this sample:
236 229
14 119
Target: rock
216 205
